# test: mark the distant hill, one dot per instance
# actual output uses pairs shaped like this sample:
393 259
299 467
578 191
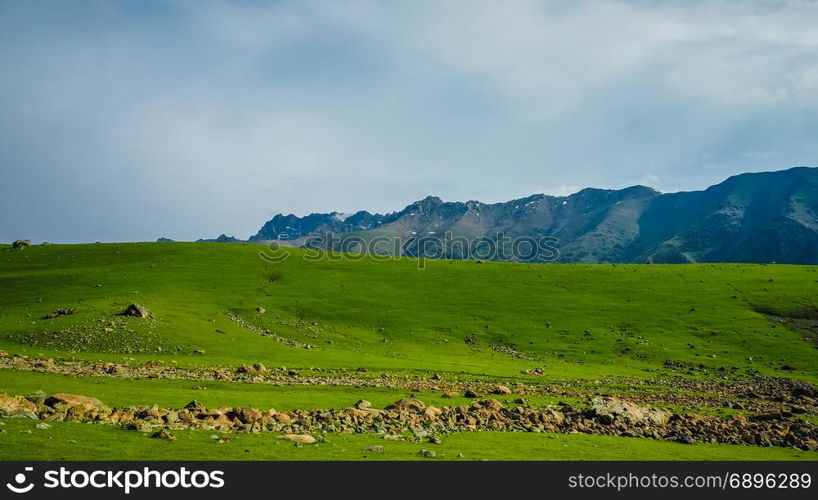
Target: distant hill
754 217
290 227
222 238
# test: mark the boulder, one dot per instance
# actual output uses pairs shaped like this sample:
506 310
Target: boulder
609 410
501 389
21 244
298 438
11 406
164 434
432 412
362 404
491 404
407 404
195 406
249 415
86 402
137 311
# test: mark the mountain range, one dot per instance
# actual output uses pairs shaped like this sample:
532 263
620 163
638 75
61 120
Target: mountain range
752 217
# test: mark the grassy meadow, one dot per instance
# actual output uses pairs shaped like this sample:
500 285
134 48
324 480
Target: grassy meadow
462 319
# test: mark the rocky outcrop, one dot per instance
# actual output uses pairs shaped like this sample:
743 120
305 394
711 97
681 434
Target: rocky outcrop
413 418
757 394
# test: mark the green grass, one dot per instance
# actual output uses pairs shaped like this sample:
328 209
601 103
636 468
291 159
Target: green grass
73 441
177 393
577 321
605 320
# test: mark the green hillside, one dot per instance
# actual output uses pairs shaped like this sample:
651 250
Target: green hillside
367 319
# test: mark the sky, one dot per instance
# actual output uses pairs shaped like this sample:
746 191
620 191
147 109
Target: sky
129 121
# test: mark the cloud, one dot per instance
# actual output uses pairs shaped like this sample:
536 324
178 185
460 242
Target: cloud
188 119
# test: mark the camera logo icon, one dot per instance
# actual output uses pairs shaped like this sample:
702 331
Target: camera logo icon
19 480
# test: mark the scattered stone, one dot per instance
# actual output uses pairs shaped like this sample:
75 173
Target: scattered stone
255 368
512 351
470 394
43 426
501 389
235 318
21 244
375 449
427 454
775 405
60 312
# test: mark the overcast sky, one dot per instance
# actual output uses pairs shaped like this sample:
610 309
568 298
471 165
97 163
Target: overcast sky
133 120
